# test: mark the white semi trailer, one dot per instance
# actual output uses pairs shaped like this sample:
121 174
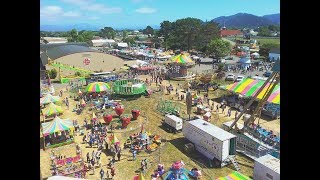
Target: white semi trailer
213 142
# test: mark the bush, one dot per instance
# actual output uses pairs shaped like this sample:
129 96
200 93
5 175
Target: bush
53 73
77 73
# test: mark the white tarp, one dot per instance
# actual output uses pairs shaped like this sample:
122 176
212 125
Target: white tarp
122 44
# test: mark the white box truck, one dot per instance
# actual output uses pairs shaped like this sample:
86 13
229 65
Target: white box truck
266 168
172 123
213 142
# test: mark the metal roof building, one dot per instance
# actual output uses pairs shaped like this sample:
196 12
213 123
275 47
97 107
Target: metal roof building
56 52
211 129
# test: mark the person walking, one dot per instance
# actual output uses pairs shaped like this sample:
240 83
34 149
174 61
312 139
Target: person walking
134 154
113 172
107 175
93 165
88 157
236 114
229 112
119 155
101 173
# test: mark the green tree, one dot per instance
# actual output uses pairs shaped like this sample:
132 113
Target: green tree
108 32
186 32
264 31
73 36
129 40
265 48
219 47
52 73
166 28
148 30
124 35
208 31
85 36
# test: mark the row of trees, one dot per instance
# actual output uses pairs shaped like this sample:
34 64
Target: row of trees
268 30
192 33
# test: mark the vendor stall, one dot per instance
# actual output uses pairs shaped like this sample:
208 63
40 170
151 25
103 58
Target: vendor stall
58 132
51 110
248 88
48 98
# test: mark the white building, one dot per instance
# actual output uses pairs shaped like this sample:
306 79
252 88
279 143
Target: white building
274 54
101 42
267 167
211 141
52 40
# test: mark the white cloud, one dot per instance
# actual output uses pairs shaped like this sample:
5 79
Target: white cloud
146 10
50 11
71 14
54 12
91 6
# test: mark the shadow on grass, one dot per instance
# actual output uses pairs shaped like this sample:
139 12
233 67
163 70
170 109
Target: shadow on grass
200 159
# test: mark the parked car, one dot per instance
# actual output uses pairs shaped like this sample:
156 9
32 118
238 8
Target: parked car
239 78
230 77
267 74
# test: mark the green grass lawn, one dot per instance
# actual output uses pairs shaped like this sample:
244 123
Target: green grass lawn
262 41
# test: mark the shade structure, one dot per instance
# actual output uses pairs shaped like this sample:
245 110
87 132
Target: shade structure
97 87
56 125
52 109
113 139
139 177
234 176
82 102
181 59
249 87
48 98
94 117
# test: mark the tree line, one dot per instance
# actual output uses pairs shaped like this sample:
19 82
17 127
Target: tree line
185 34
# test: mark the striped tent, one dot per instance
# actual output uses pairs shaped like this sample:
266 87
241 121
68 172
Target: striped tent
52 109
181 59
234 176
48 98
139 177
97 87
56 125
113 139
249 87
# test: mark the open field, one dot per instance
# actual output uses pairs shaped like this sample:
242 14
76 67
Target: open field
170 151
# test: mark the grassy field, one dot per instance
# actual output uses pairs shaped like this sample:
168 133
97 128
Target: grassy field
171 150
262 41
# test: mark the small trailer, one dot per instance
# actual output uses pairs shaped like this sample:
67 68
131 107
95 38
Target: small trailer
172 123
213 142
267 167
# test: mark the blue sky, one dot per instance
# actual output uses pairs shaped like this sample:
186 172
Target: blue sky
140 13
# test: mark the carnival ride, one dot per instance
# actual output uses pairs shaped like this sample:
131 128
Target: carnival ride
143 141
178 68
168 107
264 94
177 172
129 87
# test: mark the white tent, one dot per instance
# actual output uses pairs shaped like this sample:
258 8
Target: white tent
195 57
124 45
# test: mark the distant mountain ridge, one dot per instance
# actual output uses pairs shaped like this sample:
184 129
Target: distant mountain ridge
242 20
275 18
